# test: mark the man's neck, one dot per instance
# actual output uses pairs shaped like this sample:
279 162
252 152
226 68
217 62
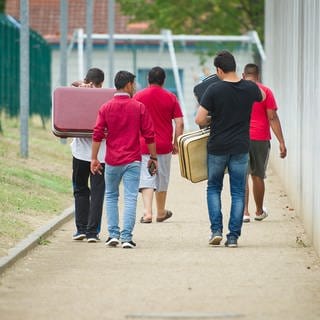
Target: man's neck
122 92
230 77
251 78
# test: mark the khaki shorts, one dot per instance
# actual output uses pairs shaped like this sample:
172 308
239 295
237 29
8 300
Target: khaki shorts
159 181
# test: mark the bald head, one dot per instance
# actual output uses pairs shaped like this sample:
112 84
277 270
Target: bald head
251 72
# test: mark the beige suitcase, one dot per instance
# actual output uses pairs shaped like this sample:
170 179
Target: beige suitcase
193 155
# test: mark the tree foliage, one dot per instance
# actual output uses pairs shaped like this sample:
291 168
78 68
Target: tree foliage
2 5
205 17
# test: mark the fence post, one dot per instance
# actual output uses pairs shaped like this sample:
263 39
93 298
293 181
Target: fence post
24 77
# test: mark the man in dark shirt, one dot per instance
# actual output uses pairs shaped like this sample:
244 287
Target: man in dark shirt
229 102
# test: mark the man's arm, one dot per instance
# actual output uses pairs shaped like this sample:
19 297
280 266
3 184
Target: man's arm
95 165
276 128
263 94
178 131
202 118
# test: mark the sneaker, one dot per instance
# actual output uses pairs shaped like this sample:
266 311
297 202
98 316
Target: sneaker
215 239
246 218
112 242
128 244
78 236
261 216
231 243
93 239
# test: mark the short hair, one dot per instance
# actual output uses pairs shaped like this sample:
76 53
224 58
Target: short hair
156 76
251 68
225 61
122 78
94 75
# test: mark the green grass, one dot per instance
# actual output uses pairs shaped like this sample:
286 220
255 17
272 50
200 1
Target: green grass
35 189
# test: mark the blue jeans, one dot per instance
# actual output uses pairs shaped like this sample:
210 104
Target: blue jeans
130 175
237 169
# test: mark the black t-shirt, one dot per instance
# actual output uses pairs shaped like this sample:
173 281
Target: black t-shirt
230 105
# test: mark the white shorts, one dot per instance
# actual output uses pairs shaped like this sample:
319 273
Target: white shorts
159 181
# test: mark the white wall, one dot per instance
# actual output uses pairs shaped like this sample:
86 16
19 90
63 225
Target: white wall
292 69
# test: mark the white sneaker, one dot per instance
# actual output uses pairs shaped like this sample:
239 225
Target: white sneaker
128 244
112 242
261 216
246 218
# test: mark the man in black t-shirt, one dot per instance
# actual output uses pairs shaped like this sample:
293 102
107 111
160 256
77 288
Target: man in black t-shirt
229 102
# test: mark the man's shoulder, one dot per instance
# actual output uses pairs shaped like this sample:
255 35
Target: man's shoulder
249 83
217 86
161 90
262 86
265 88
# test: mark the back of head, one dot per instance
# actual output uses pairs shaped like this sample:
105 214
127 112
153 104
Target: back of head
225 61
156 76
122 78
96 76
251 71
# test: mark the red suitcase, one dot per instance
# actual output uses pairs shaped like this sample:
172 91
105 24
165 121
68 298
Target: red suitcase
74 110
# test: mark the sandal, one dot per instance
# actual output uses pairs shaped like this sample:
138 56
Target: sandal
143 220
166 216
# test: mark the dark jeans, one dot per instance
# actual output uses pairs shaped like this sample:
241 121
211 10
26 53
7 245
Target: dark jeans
88 201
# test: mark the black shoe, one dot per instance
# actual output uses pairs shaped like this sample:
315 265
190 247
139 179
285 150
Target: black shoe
128 244
231 243
78 236
112 242
93 239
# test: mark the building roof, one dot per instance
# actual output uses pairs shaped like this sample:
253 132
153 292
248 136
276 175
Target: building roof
44 17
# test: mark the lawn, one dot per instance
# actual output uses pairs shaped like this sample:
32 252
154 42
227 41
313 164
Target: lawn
35 189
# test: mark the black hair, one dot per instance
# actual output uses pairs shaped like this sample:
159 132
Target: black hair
122 78
156 76
251 68
225 61
94 75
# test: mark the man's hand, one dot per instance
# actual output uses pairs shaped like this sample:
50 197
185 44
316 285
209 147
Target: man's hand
86 85
96 167
283 150
175 148
152 166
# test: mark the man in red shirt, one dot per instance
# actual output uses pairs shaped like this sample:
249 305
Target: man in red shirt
263 116
164 108
121 121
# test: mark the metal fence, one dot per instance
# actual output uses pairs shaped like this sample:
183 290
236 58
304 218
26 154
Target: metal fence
40 70
292 69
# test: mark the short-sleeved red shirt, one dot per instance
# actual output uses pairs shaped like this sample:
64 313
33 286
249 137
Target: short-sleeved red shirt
163 106
259 123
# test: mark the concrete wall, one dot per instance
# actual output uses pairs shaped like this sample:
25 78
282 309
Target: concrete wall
292 69
187 60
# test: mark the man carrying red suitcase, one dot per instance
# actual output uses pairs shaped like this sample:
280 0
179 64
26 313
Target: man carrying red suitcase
88 201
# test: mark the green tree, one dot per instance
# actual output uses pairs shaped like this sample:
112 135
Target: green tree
220 17
2 5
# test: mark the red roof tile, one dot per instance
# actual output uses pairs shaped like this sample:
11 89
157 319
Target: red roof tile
44 17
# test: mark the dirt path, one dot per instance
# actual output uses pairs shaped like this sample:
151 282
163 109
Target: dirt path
173 273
